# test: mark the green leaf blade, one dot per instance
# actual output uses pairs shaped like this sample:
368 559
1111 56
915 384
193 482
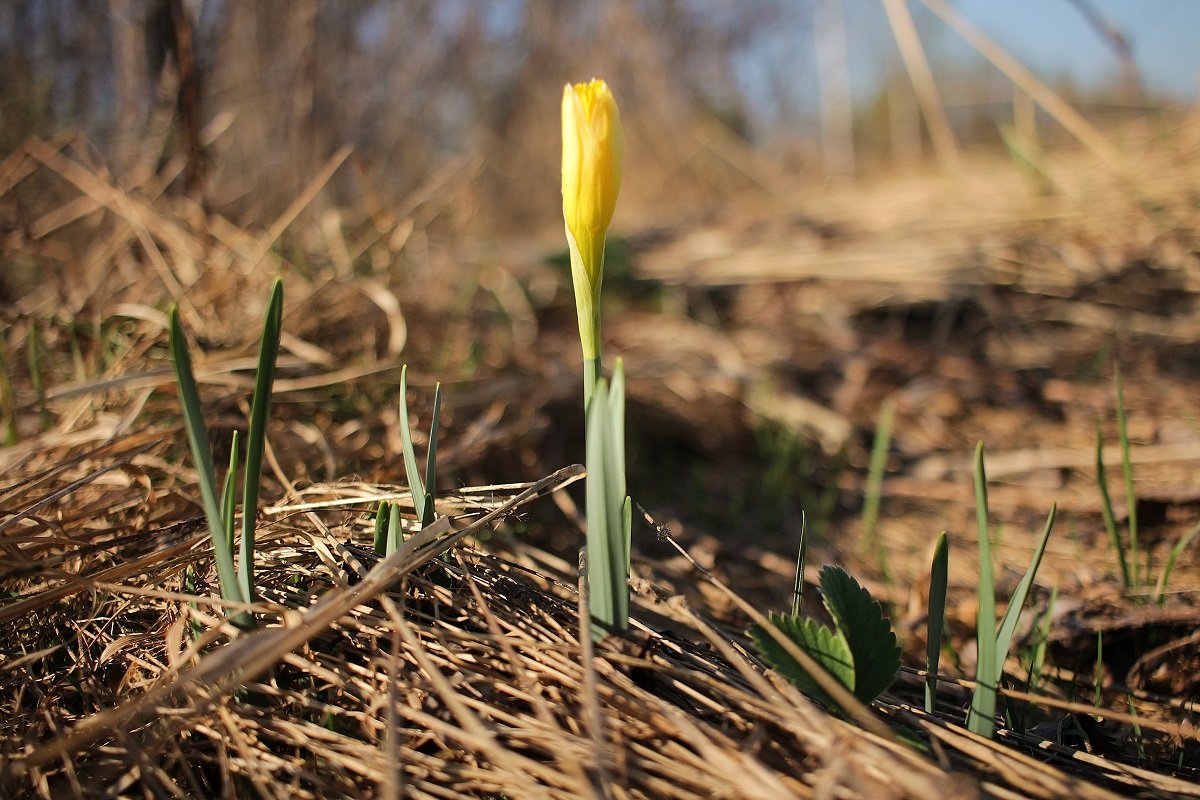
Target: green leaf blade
981 717
939 581
1008 625
429 513
260 407
197 435
415 488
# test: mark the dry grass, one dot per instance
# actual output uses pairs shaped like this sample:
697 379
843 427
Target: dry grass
472 678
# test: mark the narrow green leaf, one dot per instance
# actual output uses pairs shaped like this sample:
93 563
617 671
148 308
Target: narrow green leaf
1038 660
431 459
602 601
410 457
197 433
873 492
229 491
827 647
615 502
381 529
801 555
627 529
939 581
1008 624
860 620
260 409
616 411
1099 674
395 533
1127 471
1106 510
1160 590
981 717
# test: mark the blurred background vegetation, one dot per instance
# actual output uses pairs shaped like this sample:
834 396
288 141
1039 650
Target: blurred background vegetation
720 99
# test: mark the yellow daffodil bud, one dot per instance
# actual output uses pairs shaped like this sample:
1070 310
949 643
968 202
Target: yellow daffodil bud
593 148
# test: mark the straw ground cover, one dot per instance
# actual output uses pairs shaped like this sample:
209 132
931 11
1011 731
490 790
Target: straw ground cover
458 663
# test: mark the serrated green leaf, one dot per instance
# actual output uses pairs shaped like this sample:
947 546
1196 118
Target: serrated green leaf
875 654
824 644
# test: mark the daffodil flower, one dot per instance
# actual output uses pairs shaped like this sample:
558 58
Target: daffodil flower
593 149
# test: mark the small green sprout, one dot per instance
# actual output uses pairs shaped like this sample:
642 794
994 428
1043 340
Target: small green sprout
236 582
992 643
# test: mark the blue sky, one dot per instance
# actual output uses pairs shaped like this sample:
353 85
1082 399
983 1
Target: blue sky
1052 38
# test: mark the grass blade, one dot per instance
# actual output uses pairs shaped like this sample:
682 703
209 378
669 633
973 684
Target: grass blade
1106 509
1008 625
260 407
801 556
939 579
1160 590
874 488
1127 471
981 717
410 457
197 434
1038 661
431 459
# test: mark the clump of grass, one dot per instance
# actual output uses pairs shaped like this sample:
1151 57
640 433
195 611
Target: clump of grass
236 582
1127 552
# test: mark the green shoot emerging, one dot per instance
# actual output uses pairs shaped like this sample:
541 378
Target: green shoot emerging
237 583
939 578
993 644
423 491
1133 575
